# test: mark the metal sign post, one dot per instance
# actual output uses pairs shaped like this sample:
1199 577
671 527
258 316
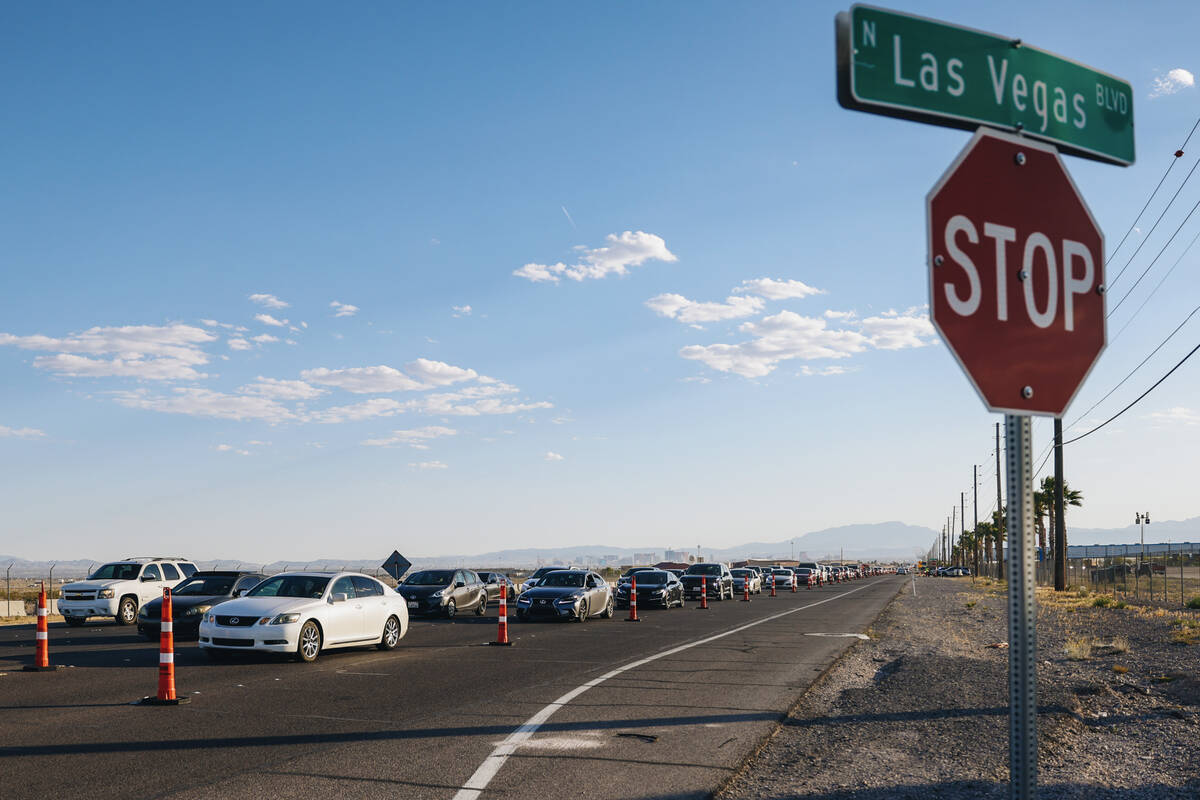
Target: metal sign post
1022 613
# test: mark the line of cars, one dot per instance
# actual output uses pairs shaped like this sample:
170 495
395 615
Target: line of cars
304 613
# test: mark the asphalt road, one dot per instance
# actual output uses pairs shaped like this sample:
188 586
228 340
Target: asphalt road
440 713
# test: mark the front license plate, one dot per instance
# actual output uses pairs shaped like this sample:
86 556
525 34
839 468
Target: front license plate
413 603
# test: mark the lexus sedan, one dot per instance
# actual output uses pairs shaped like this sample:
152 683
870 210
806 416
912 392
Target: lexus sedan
191 599
444 592
568 595
746 575
655 587
306 613
784 578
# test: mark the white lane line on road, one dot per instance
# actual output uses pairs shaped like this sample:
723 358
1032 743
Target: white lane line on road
492 764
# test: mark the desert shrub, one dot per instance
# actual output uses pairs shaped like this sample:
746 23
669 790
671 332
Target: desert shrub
1103 601
1194 602
1078 648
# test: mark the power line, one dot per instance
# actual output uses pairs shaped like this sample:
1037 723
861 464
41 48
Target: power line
1139 397
1156 287
1133 225
1155 259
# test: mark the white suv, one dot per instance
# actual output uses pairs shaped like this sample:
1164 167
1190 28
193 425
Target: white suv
118 589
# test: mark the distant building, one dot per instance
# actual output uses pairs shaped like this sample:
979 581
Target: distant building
612 561
645 558
677 555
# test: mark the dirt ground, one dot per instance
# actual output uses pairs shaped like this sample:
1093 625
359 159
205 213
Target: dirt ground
920 709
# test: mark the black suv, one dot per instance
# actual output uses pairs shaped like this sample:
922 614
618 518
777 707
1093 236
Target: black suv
717 579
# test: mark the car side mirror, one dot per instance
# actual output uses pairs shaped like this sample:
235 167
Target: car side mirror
459 584
146 578
338 597
240 593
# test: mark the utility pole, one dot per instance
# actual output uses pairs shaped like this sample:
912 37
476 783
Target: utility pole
999 510
953 519
1060 522
975 548
962 529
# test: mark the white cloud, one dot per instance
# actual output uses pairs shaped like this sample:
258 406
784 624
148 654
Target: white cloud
474 401
212 323
461 311
382 379
676 306
238 343
282 389
831 314
153 369
343 309
1172 81
263 338
415 437
893 330
619 253
786 335
368 409
363 380
552 456
267 319
438 373
1178 415
148 352
207 403
826 371
20 433
268 301
773 289
227 448
426 465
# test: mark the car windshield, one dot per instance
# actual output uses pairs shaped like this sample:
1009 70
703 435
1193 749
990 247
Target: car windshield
783 572
744 573
543 571
704 569
652 577
203 585
291 586
431 577
563 579
116 572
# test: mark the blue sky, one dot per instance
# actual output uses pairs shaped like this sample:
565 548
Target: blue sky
285 281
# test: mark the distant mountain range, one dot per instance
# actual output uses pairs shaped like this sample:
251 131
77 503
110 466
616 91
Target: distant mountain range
883 541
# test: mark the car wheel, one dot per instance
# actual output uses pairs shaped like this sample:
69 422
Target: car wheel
75 622
482 609
451 610
309 646
609 609
127 611
584 612
391 634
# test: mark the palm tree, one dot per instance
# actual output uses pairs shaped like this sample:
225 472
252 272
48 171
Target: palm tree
1043 504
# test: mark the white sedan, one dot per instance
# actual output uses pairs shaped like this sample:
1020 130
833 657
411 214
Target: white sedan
303 613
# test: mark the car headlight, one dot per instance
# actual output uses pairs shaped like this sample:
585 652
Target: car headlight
568 600
285 619
437 594
104 594
659 592
194 610
522 600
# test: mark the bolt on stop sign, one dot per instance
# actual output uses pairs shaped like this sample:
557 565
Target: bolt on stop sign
1016 275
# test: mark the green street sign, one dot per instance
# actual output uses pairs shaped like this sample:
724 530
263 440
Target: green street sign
915 68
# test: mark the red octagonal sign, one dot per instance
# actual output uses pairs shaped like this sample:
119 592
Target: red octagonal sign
1016 276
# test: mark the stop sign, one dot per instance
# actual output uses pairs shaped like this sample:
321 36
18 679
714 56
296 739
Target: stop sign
1016 274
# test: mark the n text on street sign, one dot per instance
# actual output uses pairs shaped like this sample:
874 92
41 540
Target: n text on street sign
907 66
1016 274
396 565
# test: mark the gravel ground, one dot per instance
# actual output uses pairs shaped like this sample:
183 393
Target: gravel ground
920 710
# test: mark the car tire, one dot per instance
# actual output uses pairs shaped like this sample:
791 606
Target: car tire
584 612
390 636
482 609
451 609
75 622
127 611
308 647
609 609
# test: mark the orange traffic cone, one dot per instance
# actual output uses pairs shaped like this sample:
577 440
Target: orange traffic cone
166 661
745 590
41 660
502 628
703 594
793 583
772 584
633 617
